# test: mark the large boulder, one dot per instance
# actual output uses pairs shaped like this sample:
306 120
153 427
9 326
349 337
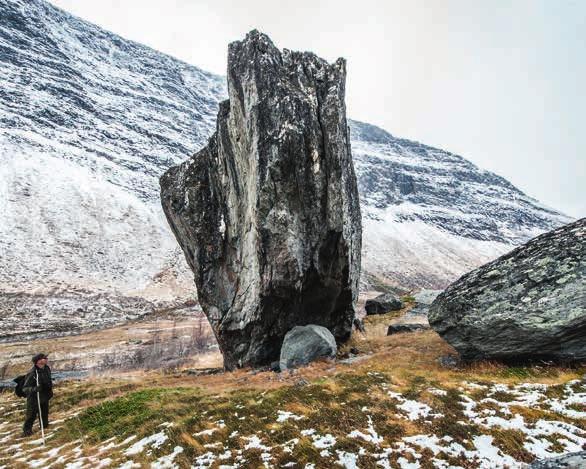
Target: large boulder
304 344
268 213
528 304
383 304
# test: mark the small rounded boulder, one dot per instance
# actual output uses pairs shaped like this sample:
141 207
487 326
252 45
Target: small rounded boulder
304 344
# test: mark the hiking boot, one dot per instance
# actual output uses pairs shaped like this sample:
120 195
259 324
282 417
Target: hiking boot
26 433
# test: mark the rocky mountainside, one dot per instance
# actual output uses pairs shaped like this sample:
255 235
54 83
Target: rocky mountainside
429 215
89 121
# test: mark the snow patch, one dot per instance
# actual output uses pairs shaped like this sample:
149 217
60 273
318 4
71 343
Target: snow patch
155 440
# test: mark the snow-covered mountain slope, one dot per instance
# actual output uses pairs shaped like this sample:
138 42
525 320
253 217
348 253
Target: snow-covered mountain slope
89 120
429 215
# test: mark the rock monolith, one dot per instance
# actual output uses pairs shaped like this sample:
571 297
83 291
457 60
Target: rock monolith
267 213
529 304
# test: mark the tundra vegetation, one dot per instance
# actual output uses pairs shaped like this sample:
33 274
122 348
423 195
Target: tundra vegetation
389 403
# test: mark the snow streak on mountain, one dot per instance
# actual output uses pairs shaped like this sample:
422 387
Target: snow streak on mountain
429 215
88 122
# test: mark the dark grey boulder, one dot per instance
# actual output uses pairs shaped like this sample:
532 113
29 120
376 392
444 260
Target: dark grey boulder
529 304
567 461
383 304
304 344
267 214
406 327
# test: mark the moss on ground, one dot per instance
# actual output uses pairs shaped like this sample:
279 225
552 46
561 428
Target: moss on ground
122 416
408 299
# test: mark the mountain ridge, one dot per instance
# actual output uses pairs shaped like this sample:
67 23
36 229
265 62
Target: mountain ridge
89 120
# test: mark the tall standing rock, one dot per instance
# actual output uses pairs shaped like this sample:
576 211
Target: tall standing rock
268 213
528 304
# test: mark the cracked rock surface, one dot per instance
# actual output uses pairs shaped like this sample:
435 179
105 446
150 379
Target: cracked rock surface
528 304
268 213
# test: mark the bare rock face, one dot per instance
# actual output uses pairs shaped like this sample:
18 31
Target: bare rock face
268 213
526 305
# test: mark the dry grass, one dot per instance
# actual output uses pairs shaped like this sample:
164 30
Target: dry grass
330 396
405 357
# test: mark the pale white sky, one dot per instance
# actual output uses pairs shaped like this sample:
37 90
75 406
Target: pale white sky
500 83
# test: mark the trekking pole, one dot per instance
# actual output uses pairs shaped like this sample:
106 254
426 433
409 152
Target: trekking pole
39 403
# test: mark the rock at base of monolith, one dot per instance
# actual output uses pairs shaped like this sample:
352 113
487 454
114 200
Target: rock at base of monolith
567 461
304 344
267 214
407 327
529 304
383 304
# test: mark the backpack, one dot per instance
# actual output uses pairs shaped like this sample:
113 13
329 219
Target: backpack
19 380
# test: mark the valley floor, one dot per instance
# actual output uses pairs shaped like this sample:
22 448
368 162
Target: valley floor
151 342
392 405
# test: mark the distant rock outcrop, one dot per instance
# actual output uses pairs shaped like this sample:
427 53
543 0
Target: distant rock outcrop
304 344
268 213
90 120
426 297
529 304
423 301
383 304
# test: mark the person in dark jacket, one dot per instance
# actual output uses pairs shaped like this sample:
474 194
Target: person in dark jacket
37 380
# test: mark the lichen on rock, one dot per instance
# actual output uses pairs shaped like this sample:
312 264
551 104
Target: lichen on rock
268 213
529 304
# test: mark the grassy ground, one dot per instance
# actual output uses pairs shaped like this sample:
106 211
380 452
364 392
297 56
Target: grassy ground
395 406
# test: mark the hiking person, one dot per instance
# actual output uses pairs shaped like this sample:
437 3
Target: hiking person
38 388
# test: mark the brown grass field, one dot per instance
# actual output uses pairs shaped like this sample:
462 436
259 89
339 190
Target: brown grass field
234 418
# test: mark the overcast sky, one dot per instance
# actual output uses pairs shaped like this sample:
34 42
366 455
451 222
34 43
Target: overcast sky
501 83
